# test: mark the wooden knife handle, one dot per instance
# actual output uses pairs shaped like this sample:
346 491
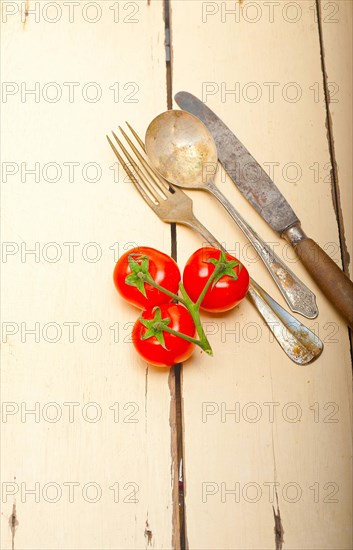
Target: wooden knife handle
336 286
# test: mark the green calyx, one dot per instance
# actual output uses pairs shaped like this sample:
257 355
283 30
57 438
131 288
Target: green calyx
139 275
224 267
155 326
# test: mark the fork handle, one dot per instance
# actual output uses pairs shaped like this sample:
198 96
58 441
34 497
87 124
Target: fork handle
300 344
194 223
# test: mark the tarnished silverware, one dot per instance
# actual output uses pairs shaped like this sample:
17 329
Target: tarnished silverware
172 205
272 206
182 150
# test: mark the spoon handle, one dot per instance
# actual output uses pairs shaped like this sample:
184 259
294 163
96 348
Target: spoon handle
299 343
297 295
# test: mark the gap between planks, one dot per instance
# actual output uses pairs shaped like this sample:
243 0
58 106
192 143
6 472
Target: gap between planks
335 189
331 143
176 417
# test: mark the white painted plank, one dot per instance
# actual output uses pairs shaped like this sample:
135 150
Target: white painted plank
120 53
337 33
217 52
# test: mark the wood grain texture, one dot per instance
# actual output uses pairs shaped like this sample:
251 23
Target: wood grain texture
113 444
304 448
337 31
266 445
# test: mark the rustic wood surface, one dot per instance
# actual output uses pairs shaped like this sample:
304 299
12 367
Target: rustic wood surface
94 440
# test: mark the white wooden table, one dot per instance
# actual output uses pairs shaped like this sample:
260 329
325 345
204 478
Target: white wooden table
92 438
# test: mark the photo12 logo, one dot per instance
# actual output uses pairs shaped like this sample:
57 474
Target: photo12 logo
70 12
68 252
69 491
69 412
269 92
252 492
248 11
69 92
268 411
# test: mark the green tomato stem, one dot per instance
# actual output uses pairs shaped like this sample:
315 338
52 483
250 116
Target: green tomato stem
194 312
151 282
202 344
210 280
192 308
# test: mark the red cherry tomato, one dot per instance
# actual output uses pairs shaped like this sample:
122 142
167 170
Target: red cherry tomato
226 293
161 267
176 349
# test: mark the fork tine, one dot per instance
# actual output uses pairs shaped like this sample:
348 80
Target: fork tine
126 153
145 180
148 187
117 154
132 177
136 136
156 179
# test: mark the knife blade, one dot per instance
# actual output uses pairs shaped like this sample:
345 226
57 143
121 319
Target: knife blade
243 169
255 184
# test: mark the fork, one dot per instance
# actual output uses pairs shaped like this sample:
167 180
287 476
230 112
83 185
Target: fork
172 205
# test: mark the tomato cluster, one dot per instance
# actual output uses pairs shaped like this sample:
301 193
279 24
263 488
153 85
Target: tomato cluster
165 332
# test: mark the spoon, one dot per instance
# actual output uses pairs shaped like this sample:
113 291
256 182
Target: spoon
182 150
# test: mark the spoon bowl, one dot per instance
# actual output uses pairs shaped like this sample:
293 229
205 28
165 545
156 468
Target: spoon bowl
181 149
